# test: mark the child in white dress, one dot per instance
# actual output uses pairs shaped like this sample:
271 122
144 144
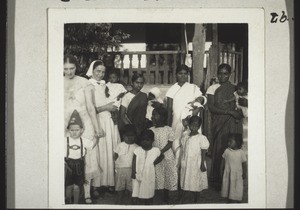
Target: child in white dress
143 169
74 157
115 92
193 175
123 161
233 168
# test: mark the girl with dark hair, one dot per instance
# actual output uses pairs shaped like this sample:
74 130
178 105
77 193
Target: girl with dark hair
233 169
166 175
193 172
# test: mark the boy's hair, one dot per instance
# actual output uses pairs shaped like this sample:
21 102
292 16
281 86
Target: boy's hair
163 113
136 76
182 67
195 119
114 71
238 137
224 66
147 134
128 129
242 85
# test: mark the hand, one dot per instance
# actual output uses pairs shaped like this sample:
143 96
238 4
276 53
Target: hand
111 107
244 176
155 104
243 102
196 111
99 134
202 167
235 114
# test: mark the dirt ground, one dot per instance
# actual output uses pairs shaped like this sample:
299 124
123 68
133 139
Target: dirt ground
208 196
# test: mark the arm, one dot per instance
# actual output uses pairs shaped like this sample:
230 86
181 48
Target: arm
123 116
91 110
243 102
201 99
167 147
212 108
244 165
133 167
159 158
203 159
222 167
107 107
170 110
116 156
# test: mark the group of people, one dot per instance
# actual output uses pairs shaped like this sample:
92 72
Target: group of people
122 139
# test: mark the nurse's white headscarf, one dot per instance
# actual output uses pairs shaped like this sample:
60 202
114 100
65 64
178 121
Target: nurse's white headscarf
89 73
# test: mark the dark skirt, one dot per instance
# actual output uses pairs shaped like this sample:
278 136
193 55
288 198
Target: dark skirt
74 172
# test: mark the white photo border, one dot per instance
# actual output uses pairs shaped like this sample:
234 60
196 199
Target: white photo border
254 17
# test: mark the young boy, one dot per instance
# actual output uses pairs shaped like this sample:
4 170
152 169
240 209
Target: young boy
75 152
123 161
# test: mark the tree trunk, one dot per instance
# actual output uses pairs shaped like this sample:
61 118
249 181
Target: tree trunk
198 54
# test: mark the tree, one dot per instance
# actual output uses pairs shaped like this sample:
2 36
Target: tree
91 40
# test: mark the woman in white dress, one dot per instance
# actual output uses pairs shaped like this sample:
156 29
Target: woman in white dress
178 98
104 107
78 96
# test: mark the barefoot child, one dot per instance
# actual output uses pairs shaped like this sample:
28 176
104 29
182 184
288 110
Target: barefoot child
166 175
193 175
123 161
233 169
143 169
75 152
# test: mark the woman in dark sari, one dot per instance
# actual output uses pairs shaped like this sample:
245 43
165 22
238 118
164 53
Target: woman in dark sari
134 105
225 119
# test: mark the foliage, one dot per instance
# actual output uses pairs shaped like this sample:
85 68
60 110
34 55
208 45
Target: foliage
85 38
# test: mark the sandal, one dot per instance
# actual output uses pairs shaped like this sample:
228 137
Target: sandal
88 200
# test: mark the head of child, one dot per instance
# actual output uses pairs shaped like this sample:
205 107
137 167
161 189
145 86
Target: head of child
235 141
242 88
147 139
194 124
154 93
159 116
129 134
113 76
75 126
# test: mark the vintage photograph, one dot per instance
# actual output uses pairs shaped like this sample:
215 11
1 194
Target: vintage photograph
155 113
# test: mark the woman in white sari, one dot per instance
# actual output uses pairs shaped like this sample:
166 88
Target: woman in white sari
179 98
106 144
